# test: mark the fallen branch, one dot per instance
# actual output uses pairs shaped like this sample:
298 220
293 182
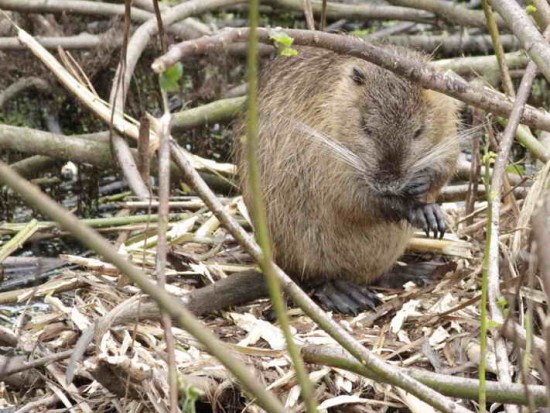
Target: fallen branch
93 8
80 148
81 41
452 44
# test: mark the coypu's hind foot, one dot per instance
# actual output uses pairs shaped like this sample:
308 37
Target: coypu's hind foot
428 217
346 297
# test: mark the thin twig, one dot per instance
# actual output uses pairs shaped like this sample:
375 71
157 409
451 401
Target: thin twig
308 13
449 385
163 210
323 18
6 370
541 233
120 146
475 168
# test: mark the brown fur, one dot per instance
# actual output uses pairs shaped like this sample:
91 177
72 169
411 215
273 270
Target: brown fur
328 215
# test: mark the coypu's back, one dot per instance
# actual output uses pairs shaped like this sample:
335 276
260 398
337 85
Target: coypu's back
340 141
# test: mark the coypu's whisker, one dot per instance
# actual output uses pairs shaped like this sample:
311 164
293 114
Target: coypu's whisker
439 153
333 148
433 157
467 133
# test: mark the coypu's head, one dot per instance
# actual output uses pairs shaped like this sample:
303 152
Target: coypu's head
392 132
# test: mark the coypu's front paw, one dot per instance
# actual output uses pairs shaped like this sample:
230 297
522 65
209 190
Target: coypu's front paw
428 217
419 185
346 297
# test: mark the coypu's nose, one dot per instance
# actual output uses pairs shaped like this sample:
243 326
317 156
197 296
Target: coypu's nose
389 177
389 171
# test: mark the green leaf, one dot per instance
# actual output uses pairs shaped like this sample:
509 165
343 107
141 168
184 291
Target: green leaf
280 37
502 302
530 9
191 394
515 169
492 324
288 51
490 157
360 32
169 80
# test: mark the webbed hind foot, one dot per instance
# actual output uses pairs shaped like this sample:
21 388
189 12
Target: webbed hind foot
346 297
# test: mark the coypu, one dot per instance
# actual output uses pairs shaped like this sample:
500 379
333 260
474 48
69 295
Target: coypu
351 157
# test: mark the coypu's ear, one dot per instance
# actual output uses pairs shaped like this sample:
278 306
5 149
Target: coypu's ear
358 76
418 133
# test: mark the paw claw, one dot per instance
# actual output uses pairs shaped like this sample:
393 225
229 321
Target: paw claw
429 217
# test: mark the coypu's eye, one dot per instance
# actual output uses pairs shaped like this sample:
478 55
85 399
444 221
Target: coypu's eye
358 76
418 132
